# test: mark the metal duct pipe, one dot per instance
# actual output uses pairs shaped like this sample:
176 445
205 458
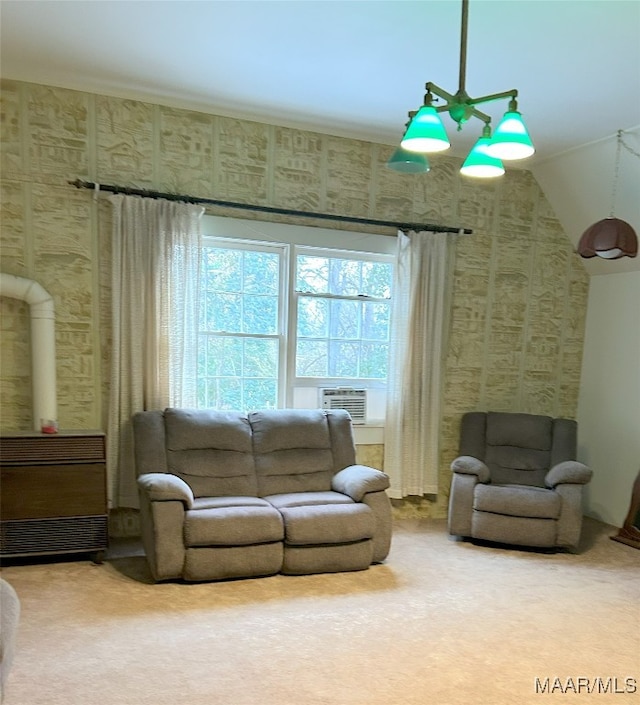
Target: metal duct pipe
43 343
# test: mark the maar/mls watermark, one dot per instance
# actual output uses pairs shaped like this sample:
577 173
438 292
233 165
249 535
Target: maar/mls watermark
598 685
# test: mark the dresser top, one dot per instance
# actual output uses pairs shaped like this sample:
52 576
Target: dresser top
37 434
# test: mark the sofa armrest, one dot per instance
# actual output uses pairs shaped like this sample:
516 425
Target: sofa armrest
568 472
163 487
357 480
468 465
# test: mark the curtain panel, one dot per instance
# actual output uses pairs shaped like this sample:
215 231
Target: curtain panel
155 284
419 322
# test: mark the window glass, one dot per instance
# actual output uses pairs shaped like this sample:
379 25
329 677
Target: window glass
239 362
342 317
252 352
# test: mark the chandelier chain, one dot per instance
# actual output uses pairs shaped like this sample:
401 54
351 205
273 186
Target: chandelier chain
616 172
626 146
620 143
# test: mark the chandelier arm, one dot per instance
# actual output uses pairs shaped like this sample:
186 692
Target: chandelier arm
513 94
473 112
440 92
481 116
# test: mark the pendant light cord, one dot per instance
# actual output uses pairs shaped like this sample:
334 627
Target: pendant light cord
621 143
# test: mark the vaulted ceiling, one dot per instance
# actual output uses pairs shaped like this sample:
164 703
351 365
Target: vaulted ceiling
352 68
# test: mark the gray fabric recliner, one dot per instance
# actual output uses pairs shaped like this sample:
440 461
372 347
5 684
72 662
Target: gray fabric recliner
230 495
516 481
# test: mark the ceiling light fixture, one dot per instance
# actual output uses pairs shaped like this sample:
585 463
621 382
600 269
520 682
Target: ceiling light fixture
611 238
407 162
426 133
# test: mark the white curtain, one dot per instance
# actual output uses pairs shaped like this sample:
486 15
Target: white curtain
419 321
155 273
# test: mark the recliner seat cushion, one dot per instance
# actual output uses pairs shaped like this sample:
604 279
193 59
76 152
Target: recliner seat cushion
306 499
327 524
517 501
220 502
233 526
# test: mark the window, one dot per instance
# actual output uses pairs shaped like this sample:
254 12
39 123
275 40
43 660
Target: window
280 320
342 317
240 340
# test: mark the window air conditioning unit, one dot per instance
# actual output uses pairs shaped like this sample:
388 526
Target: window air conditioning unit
352 400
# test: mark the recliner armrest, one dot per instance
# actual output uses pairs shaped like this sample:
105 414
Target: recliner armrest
163 487
468 465
357 480
568 472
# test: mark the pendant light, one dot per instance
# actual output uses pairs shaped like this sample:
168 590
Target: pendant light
610 238
511 139
406 161
479 162
426 133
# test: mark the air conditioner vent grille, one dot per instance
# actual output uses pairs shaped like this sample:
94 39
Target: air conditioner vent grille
352 400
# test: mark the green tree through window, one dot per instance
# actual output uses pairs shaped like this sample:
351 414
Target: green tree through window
338 332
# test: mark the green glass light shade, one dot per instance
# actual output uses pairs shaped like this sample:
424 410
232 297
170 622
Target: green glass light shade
407 162
511 139
426 132
480 164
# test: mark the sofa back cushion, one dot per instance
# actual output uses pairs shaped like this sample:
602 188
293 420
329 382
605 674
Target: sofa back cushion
294 450
518 449
211 451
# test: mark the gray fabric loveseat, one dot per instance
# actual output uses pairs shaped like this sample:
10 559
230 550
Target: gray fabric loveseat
230 495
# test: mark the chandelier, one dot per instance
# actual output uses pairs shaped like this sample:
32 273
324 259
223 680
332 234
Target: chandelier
425 132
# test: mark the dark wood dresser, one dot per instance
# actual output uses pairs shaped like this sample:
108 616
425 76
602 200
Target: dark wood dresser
53 494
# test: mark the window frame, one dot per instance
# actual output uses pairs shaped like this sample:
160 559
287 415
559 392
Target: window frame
293 380
255 234
283 252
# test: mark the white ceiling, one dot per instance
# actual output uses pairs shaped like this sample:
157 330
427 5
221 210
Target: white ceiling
352 68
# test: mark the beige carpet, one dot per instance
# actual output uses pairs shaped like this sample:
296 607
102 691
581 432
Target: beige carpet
442 622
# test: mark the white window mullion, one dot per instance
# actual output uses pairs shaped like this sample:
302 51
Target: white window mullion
291 325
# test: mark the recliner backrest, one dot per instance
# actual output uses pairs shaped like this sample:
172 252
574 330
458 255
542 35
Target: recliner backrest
220 453
300 450
518 448
211 451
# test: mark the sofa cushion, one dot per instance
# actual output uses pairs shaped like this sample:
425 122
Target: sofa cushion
521 430
329 558
233 526
519 466
221 502
292 450
211 451
224 562
518 448
327 524
306 499
517 501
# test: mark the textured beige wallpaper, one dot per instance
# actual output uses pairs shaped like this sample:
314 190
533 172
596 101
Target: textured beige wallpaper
517 324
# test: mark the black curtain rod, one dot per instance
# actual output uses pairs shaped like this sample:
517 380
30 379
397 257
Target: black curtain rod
266 209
